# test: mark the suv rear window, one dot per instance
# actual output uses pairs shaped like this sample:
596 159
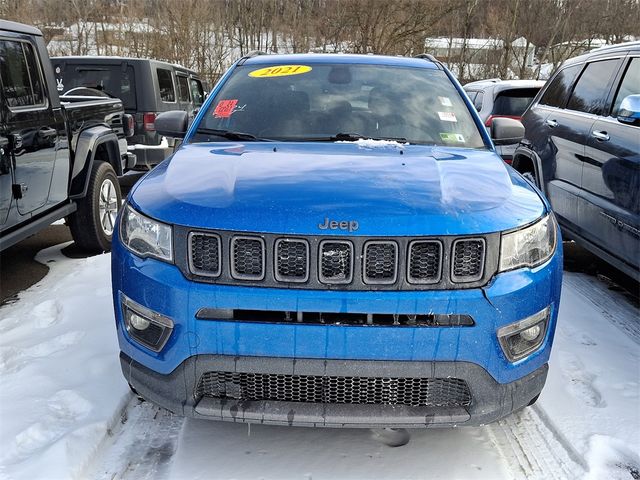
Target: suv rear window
165 82
513 102
21 80
372 101
558 90
110 79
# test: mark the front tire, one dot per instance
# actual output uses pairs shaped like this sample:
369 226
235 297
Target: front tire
93 223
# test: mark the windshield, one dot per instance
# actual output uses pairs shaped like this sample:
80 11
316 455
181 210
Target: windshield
339 102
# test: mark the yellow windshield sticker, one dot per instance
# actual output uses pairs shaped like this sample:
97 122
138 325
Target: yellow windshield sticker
280 71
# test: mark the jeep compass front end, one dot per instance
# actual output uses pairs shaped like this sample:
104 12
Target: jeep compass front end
337 243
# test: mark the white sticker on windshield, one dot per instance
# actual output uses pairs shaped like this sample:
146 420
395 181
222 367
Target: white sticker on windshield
445 101
447 116
452 137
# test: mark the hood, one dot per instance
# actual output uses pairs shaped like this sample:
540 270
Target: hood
388 189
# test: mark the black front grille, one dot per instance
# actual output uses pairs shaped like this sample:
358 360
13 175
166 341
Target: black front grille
292 260
468 260
204 254
319 262
248 258
336 262
425 261
380 262
415 392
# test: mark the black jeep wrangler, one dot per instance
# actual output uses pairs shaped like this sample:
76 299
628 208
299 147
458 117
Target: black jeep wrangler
59 157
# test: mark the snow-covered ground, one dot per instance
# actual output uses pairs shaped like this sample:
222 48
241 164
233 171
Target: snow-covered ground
66 412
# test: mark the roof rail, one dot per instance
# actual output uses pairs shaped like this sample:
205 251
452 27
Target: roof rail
486 80
251 54
427 56
431 58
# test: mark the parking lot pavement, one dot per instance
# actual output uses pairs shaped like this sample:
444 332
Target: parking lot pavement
18 268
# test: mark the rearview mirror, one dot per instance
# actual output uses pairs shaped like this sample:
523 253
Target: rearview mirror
172 124
506 131
629 111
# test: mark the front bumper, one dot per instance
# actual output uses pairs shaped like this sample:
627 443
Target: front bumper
148 156
176 392
169 377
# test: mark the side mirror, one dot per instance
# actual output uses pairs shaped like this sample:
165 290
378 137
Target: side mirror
172 124
506 131
629 111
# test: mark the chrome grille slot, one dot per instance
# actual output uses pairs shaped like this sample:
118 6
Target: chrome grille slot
336 262
291 260
204 254
425 262
248 258
410 391
380 262
468 260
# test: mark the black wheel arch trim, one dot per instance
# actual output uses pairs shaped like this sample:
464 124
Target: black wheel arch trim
89 141
522 151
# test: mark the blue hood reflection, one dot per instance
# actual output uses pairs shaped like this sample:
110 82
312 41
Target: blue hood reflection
293 187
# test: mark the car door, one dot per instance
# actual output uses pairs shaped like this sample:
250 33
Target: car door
32 124
558 137
611 178
5 162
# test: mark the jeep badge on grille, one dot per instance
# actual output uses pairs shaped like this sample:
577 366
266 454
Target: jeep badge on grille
351 225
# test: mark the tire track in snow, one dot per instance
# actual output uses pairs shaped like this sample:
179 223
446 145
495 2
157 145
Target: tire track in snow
140 447
535 449
613 306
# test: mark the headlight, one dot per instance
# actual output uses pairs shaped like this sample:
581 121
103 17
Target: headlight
144 236
530 246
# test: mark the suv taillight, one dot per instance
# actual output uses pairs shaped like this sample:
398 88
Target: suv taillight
491 117
149 122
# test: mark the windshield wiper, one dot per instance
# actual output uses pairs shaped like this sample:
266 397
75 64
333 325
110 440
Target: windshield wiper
231 135
350 137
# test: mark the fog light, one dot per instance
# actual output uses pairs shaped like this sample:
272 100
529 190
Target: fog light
530 334
524 337
138 322
145 326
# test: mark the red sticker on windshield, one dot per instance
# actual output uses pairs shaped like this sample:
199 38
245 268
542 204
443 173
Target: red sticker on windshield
224 109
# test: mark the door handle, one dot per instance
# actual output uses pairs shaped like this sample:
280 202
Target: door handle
552 123
600 136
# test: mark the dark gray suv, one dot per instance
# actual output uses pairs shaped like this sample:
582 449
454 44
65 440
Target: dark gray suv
582 148
146 88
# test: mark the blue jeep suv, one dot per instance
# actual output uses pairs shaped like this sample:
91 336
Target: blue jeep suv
337 243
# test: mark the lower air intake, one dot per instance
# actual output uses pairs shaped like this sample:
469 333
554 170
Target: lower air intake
415 392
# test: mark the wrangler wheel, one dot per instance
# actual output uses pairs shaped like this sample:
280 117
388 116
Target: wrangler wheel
92 225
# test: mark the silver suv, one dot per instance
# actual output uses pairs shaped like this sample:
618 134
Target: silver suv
495 98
